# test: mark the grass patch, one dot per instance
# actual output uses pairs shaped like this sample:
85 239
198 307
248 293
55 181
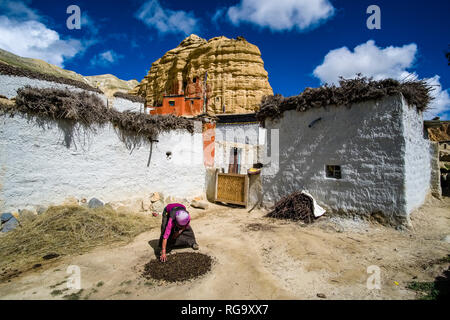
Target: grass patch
437 290
58 292
93 290
100 283
426 290
66 230
123 292
74 296
127 283
58 284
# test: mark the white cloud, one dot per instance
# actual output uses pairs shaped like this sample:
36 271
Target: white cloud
368 59
23 31
166 20
18 10
33 39
106 58
441 103
380 63
279 15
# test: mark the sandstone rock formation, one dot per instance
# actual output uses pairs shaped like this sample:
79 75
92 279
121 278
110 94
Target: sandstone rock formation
441 133
235 76
110 84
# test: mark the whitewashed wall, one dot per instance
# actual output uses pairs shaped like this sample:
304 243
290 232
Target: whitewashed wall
10 84
378 144
246 137
36 168
121 105
417 159
435 183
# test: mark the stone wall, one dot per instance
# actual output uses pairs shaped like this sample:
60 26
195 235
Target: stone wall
121 105
372 142
435 181
36 168
417 158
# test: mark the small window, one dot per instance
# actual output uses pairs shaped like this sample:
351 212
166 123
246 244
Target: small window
172 103
333 172
194 80
192 102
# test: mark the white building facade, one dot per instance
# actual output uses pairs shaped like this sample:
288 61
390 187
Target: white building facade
369 159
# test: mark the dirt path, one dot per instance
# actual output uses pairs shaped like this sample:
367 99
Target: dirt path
283 261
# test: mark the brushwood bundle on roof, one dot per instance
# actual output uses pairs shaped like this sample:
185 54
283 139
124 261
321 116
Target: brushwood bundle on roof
350 91
148 125
9 70
130 97
88 109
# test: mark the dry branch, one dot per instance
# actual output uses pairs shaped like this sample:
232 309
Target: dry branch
350 91
296 206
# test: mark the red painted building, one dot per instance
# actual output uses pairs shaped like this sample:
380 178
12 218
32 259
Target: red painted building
186 99
179 105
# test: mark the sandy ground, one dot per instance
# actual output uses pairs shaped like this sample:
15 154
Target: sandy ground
285 261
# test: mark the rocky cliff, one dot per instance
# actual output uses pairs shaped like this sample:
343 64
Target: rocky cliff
441 133
110 84
234 71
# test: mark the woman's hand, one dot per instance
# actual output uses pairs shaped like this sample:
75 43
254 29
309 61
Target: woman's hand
163 257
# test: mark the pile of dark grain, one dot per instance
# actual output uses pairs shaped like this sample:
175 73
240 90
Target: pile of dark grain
350 91
178 267
9 70
88 109
296 207
130 97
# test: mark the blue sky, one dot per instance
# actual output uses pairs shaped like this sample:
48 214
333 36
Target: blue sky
304 43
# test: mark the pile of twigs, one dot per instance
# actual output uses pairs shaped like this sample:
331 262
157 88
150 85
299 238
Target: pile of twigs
350 91
89 111
130 97
296 206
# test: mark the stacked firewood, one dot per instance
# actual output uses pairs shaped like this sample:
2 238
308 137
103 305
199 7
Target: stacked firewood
296 206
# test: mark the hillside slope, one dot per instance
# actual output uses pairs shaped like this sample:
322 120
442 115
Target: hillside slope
107 83
110 84
38 66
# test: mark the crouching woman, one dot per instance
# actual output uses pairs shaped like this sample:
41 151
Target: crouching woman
175 229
